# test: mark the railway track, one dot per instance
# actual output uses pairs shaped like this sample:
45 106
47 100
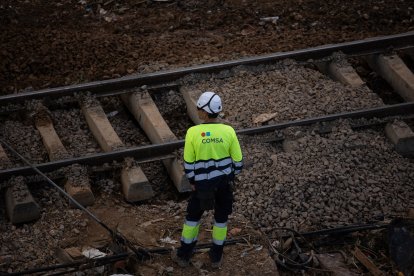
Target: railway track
314 103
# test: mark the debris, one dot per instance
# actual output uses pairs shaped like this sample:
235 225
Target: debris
93 253
147 223
255 247
262 118
62 255
363 259
74 253
287 244
112 114
235 231
168 240
102 11
107 16
276 244
244 254
272 19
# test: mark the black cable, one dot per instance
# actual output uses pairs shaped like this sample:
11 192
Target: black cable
93 262
346 229
335 231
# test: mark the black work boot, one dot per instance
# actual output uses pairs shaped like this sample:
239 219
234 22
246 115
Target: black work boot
183 254
178 260
216 255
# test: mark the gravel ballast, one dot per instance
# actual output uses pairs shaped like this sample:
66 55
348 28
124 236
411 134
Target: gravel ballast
322 181
287 91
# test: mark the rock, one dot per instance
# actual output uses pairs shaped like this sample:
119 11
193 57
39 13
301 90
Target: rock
352 210
284 214
376 190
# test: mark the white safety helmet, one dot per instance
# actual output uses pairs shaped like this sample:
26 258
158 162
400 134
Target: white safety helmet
210 102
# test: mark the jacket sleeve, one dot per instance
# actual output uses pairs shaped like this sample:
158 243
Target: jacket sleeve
236 154
189 157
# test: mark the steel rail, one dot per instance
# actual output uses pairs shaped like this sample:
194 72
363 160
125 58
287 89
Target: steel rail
156 152
142 154
72 101
359 47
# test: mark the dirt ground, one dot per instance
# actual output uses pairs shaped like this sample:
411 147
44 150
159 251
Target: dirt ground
54 43
160 226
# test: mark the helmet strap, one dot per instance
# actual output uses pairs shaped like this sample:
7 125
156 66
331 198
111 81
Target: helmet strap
208 104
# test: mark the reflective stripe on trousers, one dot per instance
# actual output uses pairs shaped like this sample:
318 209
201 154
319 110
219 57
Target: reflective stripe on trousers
190 231
219 233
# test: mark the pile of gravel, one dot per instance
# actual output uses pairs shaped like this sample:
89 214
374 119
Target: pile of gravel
287 91
323 180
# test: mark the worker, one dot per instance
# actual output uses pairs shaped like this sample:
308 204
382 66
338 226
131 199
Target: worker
212 157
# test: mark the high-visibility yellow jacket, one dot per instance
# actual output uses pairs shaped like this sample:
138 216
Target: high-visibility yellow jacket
211 151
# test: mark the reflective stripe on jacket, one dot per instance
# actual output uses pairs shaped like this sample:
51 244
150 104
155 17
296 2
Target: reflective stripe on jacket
210 151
